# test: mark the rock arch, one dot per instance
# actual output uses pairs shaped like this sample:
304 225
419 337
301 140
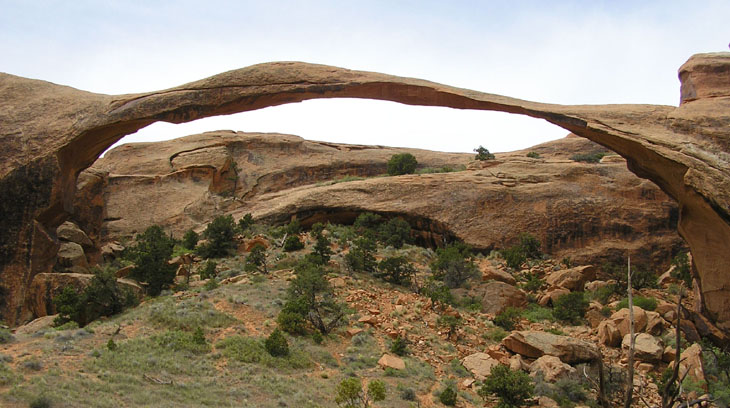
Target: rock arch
50 133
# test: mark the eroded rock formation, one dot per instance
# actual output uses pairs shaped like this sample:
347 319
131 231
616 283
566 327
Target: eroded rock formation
50 133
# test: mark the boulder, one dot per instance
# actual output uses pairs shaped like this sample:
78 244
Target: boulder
479 364
71 232
36 325
391 361
691 363
71 258
498 296
535 344
609 334
111 250
595 285
572 279
647 348
551 295
551 368
489 272
621 320
654 323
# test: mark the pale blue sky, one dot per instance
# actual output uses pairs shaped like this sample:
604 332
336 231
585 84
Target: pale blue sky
577 52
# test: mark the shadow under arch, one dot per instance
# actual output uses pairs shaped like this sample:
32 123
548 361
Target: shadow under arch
652 139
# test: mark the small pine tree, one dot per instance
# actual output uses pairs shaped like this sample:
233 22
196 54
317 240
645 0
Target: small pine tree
276 344
190 239
399 346
256 260
150 257
245 223
199 336
396 270
322 249
293 243
404 163
209 270
483 154
454 265
220 235
448 396
361 257
111 345
395 232
570 307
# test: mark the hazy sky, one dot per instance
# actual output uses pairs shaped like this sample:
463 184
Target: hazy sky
572 52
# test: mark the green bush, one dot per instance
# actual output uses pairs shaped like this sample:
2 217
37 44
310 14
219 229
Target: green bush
103 297
183 341
111 345
438 293
682 270
361 257
513 388
317 229
395 232
349 393
403 163
514 257
535 313
640 278
245 223
483 154
376 390
293 243
603 294
367 221
588 157
322 249
448 396
6 336
41 402
256 259
310 296
533 283
190 239
454 265
252 351
533 155
570 307
220 235
396 270
209 270
399 346
646 303
150 257
508 318
276 344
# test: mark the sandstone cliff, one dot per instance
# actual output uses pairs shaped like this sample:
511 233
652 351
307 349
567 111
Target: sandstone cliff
50 133
590 212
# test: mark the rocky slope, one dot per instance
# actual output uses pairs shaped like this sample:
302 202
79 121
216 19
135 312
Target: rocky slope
682 149
589 212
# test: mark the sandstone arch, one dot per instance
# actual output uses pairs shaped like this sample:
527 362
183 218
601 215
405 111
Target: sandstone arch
50 133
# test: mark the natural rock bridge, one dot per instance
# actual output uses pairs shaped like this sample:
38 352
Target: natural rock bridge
50 133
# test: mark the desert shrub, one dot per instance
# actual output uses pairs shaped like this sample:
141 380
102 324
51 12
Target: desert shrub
41 402
588 157
245 223
514 257
276 344
209 270
513 388
256 259
682 270
199 336
403 163
536 313
508 318
111 345
252 351
317 337
407 394
361 257
294 227
395 232
376 390
640 278
187 315
570 307
183 341
533 283
530 246
438 292
533 155
310 295
220 235
317 229
6 336
190 239
483 154
646 303
367 221
322 249
603 294
452 324
444 169
150 256
448 396
717 365
399 346
396 270
103 297
293 243
453 265
566 391
292 317
495 334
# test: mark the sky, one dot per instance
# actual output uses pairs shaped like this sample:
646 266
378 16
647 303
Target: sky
559 51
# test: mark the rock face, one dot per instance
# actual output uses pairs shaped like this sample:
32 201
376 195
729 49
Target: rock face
535 344
479 364
647 347
50 133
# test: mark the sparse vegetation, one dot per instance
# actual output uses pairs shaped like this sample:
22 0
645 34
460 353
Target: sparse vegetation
150 256
256 259
588 157
402 163
245 222
399 346
570 307
396 270
528 248
533 155
448 396
508 318
513 388
190 239
293 243
361 257
483 154
646 303
454 265
682 270
209 270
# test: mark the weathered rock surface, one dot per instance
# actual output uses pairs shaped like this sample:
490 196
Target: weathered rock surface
71 232
572 279
551 368
682 149
390 361
71 258
495 296
535 344
479 364
647 347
